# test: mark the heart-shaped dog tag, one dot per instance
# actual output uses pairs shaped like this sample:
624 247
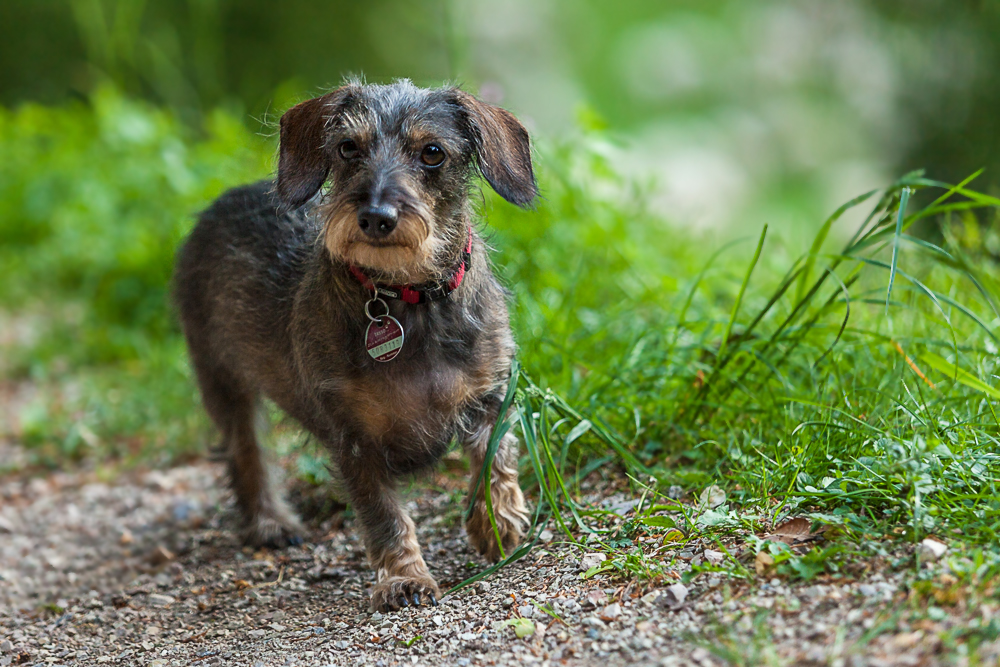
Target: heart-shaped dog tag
384 340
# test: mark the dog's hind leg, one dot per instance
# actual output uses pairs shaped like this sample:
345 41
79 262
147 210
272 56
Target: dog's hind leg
267 520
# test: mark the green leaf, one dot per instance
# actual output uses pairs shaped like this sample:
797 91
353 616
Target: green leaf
658 522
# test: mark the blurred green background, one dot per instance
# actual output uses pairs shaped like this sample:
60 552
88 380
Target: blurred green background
737 110
663 129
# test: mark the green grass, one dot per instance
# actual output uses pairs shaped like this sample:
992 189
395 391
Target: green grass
855 384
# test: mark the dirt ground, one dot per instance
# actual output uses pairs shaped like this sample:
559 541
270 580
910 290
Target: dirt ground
145 569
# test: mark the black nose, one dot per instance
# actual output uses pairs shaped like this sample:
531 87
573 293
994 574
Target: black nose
377 221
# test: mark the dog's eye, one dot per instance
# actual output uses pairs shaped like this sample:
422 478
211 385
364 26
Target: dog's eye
348 149
432 155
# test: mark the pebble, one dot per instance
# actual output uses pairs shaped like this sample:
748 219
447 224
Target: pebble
611 612
673 596
714 557
931 550
591 560
160 600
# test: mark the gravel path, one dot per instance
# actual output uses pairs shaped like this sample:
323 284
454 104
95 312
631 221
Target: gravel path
145 570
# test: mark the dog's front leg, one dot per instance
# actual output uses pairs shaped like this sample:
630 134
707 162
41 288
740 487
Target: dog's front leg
509 511
390 537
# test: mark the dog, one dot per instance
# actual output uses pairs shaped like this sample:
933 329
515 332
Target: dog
355 292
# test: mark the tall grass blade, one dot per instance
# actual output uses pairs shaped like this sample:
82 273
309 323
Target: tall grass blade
903 201
958 374
739 295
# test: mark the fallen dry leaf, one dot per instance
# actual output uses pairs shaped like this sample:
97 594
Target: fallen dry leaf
794 531
763 562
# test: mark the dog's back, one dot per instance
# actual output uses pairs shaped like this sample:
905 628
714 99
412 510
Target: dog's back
237 270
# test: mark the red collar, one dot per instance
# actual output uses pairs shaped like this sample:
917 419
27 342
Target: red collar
419 293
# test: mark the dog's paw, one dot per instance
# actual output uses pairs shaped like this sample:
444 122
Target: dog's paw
275 532
398 592
512 520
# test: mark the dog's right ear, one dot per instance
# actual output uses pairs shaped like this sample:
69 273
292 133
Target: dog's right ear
303 158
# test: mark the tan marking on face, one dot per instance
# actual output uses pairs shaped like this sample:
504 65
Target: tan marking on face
409 254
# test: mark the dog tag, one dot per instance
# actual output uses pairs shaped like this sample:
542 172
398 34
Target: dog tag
384 341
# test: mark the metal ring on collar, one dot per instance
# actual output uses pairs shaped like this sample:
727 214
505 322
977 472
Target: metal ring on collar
376 320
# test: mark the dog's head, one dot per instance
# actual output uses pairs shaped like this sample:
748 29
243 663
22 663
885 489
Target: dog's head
399 160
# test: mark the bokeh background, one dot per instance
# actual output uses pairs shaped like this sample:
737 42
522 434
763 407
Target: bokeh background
663 129
738 111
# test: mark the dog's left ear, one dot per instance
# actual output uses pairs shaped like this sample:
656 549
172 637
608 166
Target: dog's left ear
303 158
503 150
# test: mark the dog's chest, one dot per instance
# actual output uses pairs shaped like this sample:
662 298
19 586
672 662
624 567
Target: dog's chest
405 406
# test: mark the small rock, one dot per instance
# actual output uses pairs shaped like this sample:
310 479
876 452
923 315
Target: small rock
931 550
595 599
438 620
257 634
6 646
611 612
160 600
712 497
675 492
341 644
592 633
591 561
714 557
376 617
867 590
527 611
673 596
546 535
507 601
277 627
650 597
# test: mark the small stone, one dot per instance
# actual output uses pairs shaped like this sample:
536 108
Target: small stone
160 600
341 644
154 663
6 646
546 535
438 620
507 601
714 557
593 633
650 597
526 611
257 634
931 550
675 492
376 617
277 627
591 560
673 596
611 612
867 590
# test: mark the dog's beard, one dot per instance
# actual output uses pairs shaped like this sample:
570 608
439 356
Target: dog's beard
410 254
